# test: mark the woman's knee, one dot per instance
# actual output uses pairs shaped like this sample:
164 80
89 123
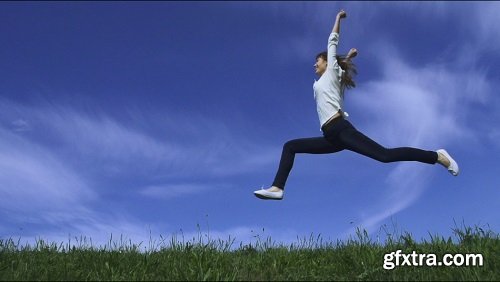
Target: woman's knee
289 146
381 155
385 159
293 146
385 156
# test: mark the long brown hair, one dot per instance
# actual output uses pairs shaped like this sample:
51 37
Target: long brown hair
347 79
350 71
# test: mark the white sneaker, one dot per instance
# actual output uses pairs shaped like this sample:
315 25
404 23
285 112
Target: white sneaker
266 195
453 168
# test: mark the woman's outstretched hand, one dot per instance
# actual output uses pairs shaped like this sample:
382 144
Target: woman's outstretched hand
342 14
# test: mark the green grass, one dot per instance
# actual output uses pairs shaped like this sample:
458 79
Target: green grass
358 258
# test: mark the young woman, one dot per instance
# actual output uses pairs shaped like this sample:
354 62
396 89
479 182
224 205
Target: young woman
336 74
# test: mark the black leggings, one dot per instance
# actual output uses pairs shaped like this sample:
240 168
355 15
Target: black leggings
341 135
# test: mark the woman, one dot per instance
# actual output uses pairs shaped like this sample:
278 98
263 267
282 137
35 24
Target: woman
338 133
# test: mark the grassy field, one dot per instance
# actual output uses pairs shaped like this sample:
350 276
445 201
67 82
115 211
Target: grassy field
358 258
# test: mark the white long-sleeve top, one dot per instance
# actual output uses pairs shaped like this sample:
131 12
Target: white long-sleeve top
328 92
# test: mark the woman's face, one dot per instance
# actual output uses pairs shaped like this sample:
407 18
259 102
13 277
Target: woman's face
320 66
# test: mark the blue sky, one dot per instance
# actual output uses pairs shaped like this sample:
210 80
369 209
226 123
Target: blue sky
161 118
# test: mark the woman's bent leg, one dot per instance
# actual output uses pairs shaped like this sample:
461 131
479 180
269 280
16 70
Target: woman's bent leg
315 145
356 141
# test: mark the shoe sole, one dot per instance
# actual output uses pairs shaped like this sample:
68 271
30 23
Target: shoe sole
266 198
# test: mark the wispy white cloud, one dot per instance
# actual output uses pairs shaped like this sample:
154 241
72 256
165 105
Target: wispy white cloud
99 140
426 107
21 125
484 25
33 180
51 175
170 191
39 189
55 173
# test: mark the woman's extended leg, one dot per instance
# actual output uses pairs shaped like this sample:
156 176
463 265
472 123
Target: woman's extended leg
315 145
356 141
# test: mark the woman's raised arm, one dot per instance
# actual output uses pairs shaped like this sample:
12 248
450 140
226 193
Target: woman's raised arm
333 40
336 27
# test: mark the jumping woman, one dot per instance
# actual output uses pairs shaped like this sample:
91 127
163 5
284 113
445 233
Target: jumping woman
335 75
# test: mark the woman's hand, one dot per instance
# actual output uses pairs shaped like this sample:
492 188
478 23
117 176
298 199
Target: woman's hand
352 53
342 14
